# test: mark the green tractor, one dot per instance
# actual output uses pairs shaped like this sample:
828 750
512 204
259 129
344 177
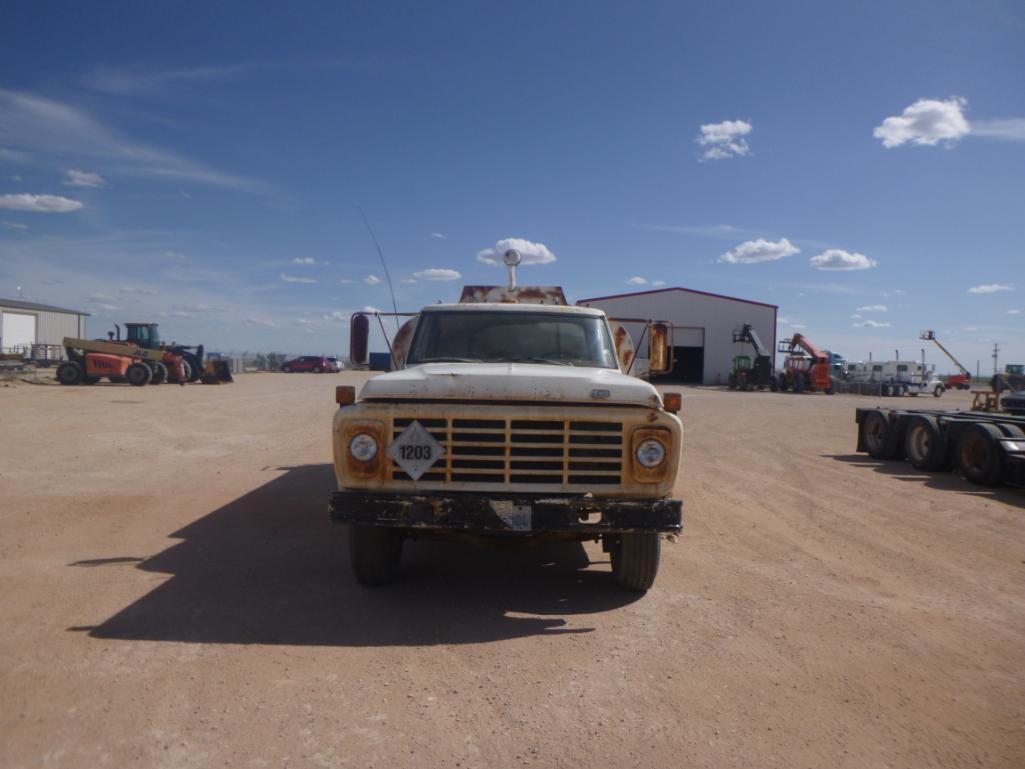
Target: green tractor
146 336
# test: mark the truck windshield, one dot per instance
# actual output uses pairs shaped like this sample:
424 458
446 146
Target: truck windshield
561 339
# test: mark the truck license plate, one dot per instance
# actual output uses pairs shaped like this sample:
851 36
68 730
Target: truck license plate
415 450
516 517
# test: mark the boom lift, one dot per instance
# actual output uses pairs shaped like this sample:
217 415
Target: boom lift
962 381
806 368
744 375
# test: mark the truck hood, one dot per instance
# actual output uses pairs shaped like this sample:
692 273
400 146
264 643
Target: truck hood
513 382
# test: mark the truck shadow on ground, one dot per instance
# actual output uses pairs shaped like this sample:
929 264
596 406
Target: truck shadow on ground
939 479
270 568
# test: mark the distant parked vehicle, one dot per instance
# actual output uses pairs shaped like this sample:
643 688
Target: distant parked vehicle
317 364
336 365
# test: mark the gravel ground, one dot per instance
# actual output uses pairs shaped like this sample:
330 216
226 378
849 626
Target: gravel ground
172 594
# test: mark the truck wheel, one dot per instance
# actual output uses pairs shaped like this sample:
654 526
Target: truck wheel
938 391
926 447
878 436
159 373
374 552
979 453
318 370
70 373
138 374
635 558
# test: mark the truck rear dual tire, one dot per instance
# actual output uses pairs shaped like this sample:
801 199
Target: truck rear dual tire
635 559
374 554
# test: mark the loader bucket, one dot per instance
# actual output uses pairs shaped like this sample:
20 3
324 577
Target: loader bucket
215 372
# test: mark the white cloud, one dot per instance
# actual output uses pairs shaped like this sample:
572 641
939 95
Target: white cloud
296 279
1012 129
856 316
724 140
304 260
871 324
371 280
1014 312
128 82
371 308
48 204
531 252
439 236
760 250
658 282
54 128
337 315
837 259
408 281
260 323
135 290
927 122
873 308
636 280
14 156
77 178
14 226
991 288
437 273
173 255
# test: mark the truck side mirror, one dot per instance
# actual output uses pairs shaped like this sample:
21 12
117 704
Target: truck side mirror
660 348
359 339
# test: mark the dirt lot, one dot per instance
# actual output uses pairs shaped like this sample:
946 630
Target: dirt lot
172 594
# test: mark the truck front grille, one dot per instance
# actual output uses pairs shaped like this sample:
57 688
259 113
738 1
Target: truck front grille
521 451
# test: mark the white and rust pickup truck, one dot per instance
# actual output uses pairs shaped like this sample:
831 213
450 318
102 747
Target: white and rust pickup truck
508 420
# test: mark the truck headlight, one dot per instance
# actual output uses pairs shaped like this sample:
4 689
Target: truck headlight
650 453
363 447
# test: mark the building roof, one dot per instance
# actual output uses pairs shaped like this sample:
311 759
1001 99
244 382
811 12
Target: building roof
678 288
18 304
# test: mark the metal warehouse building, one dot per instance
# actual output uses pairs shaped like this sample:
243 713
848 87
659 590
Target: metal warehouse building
37 330
703 325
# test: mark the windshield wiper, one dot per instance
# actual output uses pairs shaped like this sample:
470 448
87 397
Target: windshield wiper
448 360
551 361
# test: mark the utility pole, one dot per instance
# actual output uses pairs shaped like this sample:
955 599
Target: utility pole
996 350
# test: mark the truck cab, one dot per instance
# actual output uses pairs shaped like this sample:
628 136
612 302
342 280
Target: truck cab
508 421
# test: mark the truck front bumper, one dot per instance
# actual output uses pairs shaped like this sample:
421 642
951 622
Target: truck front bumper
480 514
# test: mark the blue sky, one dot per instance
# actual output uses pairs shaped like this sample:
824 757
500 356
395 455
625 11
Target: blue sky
203 167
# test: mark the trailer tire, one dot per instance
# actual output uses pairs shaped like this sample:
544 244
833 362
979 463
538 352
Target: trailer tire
374 554
880 438
979 455
1011 431
138 374
635 558
70 373
925 447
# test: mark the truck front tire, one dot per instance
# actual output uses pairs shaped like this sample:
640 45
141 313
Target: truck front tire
635 558
374 553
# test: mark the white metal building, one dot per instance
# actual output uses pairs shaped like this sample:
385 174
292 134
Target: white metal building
26 326
703 325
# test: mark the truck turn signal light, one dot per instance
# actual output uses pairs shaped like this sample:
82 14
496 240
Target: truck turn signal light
345 394
672 402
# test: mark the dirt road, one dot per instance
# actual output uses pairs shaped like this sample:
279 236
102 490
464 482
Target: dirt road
172 594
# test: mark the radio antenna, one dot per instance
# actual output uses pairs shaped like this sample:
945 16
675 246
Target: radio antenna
391 290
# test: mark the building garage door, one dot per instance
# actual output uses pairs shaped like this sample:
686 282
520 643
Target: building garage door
688 356
17 329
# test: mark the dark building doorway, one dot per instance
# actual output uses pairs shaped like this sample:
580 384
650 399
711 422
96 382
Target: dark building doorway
688 367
